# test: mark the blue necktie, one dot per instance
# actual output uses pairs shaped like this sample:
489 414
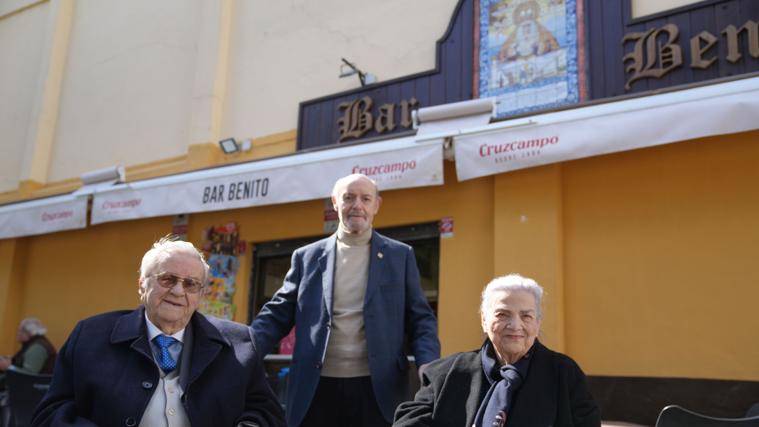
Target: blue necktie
165 361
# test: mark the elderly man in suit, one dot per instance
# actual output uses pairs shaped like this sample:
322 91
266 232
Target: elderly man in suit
163 364
353 298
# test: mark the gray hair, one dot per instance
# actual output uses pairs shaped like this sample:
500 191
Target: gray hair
344 180
32 326
162 249
513 282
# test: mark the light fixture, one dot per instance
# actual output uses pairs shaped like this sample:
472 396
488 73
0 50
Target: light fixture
100 179
348 69
109 174
229 146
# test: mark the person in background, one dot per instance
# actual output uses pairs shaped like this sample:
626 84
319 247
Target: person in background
37 354
512 380
163 364
354 298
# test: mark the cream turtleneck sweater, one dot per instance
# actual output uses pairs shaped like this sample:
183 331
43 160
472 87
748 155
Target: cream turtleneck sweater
346 349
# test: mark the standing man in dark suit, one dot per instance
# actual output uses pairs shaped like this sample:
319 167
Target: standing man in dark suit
163 364
353 298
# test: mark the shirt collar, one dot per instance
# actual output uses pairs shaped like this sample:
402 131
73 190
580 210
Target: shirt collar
153 331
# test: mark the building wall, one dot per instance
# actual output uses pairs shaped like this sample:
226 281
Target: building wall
649 7
659 260
128 84
288 52
70 275
21 45
92 84
646 256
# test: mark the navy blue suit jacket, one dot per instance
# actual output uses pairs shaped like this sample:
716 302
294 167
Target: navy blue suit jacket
105 375
394 308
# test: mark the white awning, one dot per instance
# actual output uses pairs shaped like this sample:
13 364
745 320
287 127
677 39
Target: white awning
394 164
716 109
43 216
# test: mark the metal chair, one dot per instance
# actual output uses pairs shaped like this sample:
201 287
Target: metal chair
676 416
25 391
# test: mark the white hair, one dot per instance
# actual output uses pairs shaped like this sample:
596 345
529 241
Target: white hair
513 282
342 182
32 326
162 249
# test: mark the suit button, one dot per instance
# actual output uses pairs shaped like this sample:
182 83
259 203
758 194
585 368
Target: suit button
130 422
147 385
318 365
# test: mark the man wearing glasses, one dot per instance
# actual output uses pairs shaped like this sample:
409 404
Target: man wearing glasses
162 364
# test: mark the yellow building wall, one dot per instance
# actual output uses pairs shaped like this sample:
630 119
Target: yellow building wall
12 252
660 255
647 257
528 239
71 275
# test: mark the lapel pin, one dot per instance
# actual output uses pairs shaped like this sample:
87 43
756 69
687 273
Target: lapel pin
379 255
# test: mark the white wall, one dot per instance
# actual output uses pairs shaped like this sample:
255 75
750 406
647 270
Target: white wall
648 7
128 84
21 42
142 80
289 51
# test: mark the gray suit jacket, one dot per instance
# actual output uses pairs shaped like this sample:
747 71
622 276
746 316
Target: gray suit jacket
394 309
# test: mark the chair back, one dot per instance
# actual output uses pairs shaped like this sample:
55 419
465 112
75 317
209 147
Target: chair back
25 391
677 416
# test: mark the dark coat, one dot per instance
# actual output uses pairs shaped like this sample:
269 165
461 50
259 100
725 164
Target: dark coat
394 307
105 375
42 341
555 394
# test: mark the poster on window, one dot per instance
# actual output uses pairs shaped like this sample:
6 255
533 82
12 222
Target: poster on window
221 246
529 58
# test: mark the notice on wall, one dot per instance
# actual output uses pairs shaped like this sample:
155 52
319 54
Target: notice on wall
222 249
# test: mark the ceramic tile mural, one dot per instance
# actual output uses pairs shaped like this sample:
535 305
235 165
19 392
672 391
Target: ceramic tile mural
528 54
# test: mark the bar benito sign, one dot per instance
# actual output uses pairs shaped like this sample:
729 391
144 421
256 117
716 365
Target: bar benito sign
407 165
657 51
359 117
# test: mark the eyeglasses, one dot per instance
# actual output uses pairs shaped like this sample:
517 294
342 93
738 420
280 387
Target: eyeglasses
168 280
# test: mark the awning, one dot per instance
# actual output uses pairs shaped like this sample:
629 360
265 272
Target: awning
716 109
43 216
394 164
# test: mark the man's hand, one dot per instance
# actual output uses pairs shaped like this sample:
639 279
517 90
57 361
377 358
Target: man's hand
5 363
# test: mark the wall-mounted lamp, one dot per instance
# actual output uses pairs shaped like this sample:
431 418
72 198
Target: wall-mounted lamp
348 69
231 146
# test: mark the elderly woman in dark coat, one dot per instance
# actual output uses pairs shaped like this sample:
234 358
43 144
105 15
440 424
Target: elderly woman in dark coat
513 380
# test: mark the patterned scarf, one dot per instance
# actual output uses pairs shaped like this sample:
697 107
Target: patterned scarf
504 381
